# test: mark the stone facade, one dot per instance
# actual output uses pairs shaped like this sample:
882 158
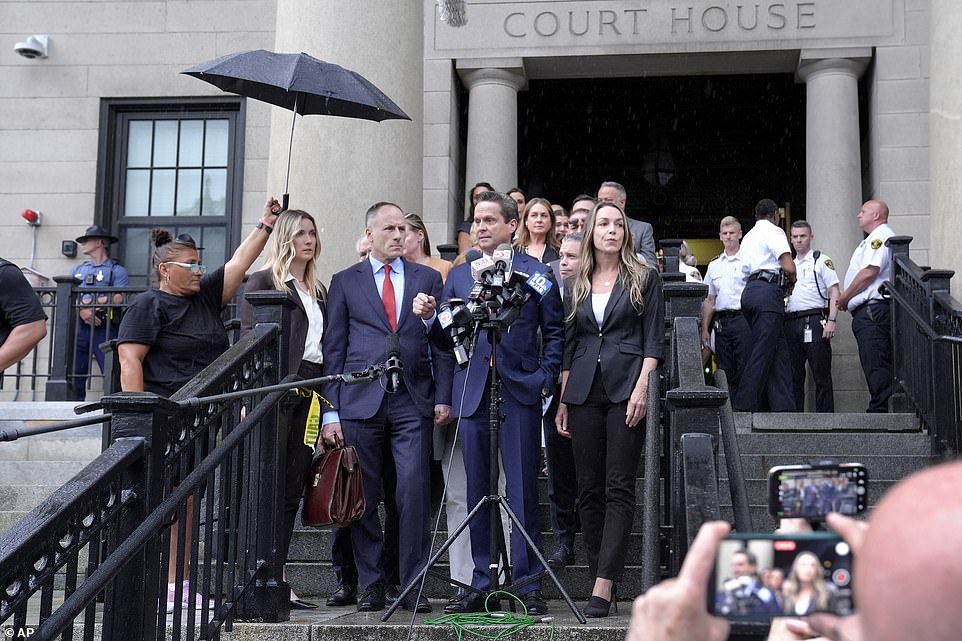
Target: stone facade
51 109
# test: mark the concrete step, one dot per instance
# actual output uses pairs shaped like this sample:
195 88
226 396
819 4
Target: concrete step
39 472
884 467
318 579
24 497
315 545
59 446
831 422
819 444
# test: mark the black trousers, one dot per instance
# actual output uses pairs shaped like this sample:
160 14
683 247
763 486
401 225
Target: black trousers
733 344
606 458
818 355
872 326
562 481
767 371
299 456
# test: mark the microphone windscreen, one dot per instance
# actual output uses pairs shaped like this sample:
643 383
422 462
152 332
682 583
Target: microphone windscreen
472 255
393 347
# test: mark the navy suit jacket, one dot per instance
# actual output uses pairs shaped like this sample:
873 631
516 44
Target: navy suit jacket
524 369
355 338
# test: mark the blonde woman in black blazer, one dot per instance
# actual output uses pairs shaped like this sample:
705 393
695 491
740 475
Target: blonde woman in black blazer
614 337
292 267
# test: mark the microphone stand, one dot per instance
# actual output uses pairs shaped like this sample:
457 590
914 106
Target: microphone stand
495 503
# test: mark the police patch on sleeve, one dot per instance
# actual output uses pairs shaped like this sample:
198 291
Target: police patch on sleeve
876 243
830 264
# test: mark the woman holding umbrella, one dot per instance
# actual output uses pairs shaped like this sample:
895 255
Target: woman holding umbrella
169 334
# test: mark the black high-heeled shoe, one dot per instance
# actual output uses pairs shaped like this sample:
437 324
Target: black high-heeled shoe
599 608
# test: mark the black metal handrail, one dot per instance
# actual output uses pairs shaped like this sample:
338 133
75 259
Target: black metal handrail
733 460
927 345
48 428
220 475
651 510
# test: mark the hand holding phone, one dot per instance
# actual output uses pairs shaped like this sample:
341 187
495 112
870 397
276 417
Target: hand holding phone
761 576
812 491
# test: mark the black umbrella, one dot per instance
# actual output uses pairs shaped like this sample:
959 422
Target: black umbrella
298 82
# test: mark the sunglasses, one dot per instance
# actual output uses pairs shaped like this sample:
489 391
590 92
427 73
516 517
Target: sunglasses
195 268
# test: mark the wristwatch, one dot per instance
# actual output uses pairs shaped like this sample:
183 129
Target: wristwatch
262 225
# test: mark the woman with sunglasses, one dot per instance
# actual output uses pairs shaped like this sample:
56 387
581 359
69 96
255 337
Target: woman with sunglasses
169 334
291 267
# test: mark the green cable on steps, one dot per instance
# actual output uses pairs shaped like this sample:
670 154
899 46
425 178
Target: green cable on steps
507 622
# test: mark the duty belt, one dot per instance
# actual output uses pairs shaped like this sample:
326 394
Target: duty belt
805 313
765 275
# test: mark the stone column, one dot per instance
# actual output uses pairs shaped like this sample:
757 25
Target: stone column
833 194
340 166
833 166
945 129
492 153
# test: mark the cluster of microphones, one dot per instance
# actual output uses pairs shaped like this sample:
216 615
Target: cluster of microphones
494 302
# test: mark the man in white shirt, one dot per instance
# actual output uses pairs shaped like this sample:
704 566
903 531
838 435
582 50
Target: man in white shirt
724 329
871 266
765 251
810 319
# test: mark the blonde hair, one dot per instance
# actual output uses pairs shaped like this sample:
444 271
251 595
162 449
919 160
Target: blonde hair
632 273
792 586
523 238
280 252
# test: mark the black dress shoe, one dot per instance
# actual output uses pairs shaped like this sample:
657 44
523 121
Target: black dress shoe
415 603
373 598
597 608
343 595
561 557
297 604
459 594
391 594
471 602
534 602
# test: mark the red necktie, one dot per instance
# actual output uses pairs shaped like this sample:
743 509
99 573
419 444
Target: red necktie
390 306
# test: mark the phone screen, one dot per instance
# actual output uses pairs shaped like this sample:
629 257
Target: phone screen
759 576
804 491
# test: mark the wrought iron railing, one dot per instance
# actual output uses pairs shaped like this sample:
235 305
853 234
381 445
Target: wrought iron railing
927 345
181 465
50 372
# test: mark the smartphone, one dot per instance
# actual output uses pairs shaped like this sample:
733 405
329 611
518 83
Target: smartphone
761 576
812 491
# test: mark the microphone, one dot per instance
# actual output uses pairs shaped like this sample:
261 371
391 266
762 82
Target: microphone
393 367
482 269
472 255
502 257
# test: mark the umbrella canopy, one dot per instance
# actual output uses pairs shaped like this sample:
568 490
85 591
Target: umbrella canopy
298 82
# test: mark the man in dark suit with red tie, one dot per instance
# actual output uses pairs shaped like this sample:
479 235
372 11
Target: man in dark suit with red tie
367 303
528 367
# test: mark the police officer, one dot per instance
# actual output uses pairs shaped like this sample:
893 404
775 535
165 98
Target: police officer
721 312
871 266
765 250
810 319
96 323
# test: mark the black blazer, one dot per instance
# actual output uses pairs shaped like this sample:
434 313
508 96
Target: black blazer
260 281
623 341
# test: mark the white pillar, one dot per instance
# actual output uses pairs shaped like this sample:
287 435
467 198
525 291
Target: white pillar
945 136
340 166
833 167
492 153
833 193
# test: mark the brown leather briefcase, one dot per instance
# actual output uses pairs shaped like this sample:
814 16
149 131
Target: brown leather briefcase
335 491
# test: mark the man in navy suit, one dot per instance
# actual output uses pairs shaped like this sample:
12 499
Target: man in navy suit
525 373
368 302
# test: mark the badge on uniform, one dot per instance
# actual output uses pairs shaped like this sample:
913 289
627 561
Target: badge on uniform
875 244
830 264
100 276
807 335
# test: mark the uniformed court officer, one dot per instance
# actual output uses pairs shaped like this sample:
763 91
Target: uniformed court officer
767 372
721 312
871 266
810 319
96 323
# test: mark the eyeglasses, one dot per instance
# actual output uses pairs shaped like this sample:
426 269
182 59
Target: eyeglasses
195 268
